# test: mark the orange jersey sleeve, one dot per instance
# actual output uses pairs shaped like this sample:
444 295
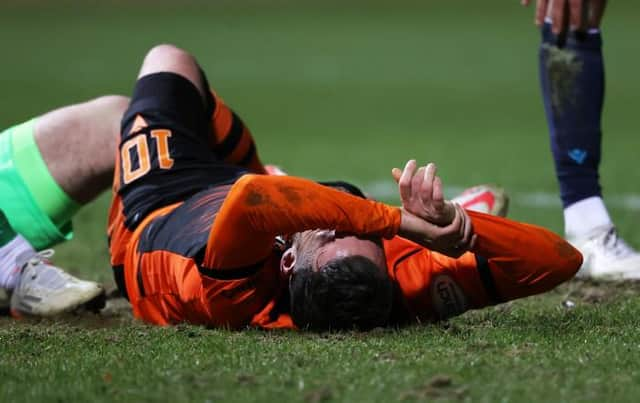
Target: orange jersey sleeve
511 241
514 248
260 207
510 260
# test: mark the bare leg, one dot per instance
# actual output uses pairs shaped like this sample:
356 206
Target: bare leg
168 58
78 143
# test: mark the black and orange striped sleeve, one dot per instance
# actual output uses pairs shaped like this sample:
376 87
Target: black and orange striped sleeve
231 139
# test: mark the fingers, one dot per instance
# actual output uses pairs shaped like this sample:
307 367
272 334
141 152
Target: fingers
541 11
396 173
559 9
597 11
458 237
452 240
468 234
421 193
564 14
576 14
417 182
447 239
460 218
438 193
453 233
426 190
464 229
404 184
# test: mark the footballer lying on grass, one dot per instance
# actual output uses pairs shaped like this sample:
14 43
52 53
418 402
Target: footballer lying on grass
194 225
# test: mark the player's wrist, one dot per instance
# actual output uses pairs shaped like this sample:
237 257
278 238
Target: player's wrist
414 228
444 216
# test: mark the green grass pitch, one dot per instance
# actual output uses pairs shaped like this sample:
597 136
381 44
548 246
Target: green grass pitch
339 90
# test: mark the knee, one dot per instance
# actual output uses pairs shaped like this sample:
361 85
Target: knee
167 55
171 59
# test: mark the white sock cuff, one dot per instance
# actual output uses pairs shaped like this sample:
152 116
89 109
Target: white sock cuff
9 272
582 217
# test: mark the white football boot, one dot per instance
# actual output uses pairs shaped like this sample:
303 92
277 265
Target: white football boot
488 199
607 256
46 290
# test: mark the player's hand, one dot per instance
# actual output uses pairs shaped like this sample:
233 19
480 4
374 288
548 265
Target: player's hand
541 10
421 193
452 240
576 15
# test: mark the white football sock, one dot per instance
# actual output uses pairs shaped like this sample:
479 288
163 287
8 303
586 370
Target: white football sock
9 272
582 217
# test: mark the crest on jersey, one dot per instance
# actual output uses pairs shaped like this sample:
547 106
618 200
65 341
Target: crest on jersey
447 297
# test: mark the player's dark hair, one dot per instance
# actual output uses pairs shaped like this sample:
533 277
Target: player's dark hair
346 293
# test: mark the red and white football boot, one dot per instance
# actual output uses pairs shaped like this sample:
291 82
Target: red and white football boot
274 170
488 199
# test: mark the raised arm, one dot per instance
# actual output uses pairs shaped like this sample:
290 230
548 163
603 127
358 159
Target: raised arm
259 207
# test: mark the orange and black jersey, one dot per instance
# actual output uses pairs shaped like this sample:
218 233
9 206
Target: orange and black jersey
523 260
192 234
191 262
511 260
165 152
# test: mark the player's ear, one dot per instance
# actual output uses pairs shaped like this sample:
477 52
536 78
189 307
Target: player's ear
288 261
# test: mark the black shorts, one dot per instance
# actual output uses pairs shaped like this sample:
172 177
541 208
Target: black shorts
165 154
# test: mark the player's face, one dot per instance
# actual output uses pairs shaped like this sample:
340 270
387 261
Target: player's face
318 247
349 245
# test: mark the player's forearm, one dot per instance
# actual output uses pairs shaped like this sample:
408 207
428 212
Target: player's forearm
278 205
502 238
259 207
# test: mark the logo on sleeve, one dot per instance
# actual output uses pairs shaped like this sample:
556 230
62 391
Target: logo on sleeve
447 297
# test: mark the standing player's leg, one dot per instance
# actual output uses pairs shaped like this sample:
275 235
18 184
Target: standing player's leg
572 81
50 166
